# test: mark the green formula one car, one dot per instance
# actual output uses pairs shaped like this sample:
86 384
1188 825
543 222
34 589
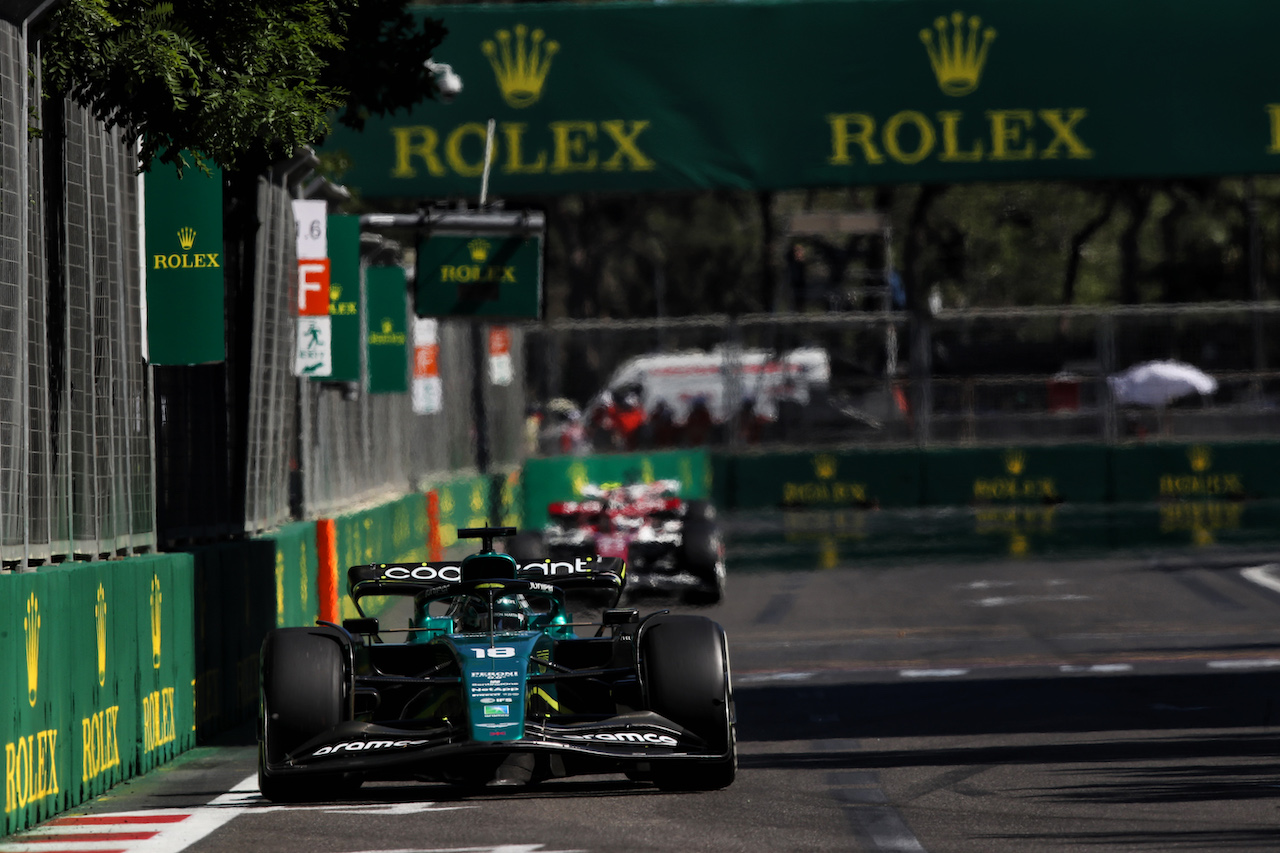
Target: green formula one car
493 682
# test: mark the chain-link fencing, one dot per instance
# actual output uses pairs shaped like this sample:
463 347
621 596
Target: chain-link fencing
76 437
359 447
886 378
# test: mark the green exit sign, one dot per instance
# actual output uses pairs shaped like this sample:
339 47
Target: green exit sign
480 275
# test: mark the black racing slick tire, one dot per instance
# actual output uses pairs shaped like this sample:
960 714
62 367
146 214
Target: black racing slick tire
526 547
302 680
700 556
684 670
699 511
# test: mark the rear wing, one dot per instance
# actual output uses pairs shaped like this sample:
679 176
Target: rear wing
408 578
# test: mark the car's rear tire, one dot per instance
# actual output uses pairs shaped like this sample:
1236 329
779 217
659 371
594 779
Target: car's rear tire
700 555
526 547
699 511
302 681
684 665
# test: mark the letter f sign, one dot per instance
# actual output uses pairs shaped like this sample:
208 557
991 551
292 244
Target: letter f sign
313 288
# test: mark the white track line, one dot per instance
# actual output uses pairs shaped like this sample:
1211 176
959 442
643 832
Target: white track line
1263 576
932 673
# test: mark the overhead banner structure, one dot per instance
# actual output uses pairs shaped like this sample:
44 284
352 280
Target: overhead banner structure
184 266
771 95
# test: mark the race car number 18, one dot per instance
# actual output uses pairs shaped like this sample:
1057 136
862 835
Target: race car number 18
495 652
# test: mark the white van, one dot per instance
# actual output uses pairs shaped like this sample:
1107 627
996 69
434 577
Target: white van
723 379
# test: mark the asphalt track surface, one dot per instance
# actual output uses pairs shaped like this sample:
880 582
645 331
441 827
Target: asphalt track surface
1120 704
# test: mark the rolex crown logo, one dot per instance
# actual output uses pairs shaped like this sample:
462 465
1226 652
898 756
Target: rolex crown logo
956 54
578 476
1015 462
187 237
156 598
32 626
479 250
387 326
1200 457
521 68
100 615
824 466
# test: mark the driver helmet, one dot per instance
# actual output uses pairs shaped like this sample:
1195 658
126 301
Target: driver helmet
509 614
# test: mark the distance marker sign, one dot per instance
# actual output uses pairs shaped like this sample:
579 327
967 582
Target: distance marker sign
494 276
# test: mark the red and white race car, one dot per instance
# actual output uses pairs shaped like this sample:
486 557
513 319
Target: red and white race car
670 545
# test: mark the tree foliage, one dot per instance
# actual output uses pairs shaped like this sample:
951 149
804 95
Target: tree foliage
242 83
968 245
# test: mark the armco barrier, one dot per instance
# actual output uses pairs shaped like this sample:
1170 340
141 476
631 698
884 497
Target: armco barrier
560 478
98 665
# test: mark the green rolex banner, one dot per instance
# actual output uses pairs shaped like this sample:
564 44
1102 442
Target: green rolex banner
183 266
493 276
387 330
760 94
344 298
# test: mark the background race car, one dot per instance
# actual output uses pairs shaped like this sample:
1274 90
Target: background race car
670 545
490 682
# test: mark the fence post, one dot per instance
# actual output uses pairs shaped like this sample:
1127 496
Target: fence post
1107 366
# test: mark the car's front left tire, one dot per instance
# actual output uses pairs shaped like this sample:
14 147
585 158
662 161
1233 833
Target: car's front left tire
302 681
684 663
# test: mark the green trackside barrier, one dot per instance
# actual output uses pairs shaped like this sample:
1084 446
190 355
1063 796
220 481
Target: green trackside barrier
390 532
511 499
165 611
827 479
38 729
562 478
1182 472
295 573
995 476
98 668
393 532
464 502
235 607
1028 475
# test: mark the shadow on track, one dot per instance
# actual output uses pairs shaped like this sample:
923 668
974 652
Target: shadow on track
1076 703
